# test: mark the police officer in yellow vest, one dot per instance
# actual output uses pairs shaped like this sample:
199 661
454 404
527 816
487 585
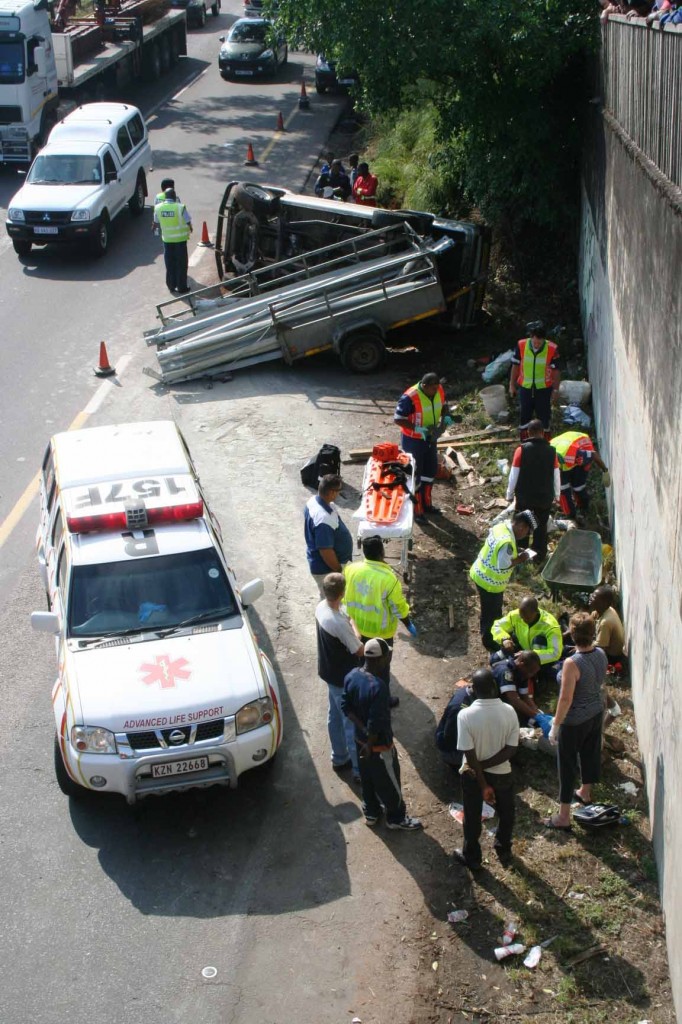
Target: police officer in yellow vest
419 413
374 599
492 569
160 196
535 377
173 218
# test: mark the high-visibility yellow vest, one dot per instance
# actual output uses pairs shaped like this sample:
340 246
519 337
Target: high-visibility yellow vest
171 221
374 598
485 571
544 636
535 370
427 411
573 448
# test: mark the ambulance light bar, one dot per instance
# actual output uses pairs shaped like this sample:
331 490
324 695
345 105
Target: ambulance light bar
119 520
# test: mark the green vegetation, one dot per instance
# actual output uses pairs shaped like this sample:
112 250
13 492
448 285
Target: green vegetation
483 112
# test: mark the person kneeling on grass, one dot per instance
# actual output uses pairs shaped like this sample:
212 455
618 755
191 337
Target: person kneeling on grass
488 736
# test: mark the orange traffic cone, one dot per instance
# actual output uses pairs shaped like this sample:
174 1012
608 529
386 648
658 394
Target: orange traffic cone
280 122
104 369
205 240
250 158
303 101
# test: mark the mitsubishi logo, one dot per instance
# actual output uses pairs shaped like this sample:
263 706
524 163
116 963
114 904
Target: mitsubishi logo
46 216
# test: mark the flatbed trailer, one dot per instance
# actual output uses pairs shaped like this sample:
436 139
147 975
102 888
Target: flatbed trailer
343 298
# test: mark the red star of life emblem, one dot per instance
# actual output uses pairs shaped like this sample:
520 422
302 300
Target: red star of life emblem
164 671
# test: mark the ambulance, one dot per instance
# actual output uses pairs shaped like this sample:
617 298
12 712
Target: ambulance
161 685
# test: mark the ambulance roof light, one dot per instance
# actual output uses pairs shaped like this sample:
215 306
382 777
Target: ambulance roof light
111 521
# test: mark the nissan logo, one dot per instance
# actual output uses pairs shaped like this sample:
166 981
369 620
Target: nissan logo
177 736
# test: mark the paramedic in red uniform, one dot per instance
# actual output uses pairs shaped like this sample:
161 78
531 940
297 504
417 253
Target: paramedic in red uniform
535 377
419 414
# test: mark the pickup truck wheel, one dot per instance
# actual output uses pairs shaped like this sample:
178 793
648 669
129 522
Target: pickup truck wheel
22 248
64 780
215 8
364 352
99 242
202 17
136 201
255 199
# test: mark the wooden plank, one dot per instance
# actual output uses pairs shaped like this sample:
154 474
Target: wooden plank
464 466
362 454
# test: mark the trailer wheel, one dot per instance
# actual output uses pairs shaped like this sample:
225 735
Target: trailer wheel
136 201
22 248
151 63
64 780
364 352
99 243
215 8
202 17
256 200
164 54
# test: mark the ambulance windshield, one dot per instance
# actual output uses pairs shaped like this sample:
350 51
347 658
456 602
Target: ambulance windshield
146 594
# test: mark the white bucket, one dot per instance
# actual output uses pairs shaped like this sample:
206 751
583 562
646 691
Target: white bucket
494 399
575 392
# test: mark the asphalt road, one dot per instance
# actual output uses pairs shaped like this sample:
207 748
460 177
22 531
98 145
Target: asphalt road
109 912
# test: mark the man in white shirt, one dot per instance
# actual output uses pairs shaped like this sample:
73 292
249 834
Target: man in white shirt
487 736
339 649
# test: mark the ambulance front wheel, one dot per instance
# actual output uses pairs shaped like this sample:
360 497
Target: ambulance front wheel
64 780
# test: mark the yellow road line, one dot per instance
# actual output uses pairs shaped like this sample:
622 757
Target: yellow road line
16 514
278 135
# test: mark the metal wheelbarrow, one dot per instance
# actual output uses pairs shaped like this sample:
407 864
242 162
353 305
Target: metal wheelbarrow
576 564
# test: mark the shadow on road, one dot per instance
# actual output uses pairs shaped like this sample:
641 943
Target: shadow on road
269 847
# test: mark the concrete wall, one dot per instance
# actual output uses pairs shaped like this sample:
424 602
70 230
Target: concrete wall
631 298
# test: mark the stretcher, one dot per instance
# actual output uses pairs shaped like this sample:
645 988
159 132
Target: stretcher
400 529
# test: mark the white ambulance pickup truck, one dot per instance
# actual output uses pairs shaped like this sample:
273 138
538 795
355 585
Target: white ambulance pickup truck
161 684
95 164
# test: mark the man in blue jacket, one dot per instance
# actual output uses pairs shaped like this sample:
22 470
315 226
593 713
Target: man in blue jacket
365 702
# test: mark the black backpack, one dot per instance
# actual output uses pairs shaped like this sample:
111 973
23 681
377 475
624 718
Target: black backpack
327 461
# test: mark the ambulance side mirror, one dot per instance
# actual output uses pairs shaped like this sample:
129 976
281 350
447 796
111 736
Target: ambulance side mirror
251 592
45 622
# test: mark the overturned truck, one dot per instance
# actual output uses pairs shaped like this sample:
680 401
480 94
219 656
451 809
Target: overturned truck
338 279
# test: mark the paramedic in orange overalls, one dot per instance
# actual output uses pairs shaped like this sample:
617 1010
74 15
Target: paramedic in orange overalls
419 413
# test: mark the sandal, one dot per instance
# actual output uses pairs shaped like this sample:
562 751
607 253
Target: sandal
549 823
577 799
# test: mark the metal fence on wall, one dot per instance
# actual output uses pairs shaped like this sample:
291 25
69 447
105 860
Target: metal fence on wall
642 69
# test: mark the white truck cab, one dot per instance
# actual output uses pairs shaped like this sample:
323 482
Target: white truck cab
94 164
161 684
28 77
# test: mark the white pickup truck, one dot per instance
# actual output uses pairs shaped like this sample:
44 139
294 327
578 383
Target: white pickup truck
94 164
